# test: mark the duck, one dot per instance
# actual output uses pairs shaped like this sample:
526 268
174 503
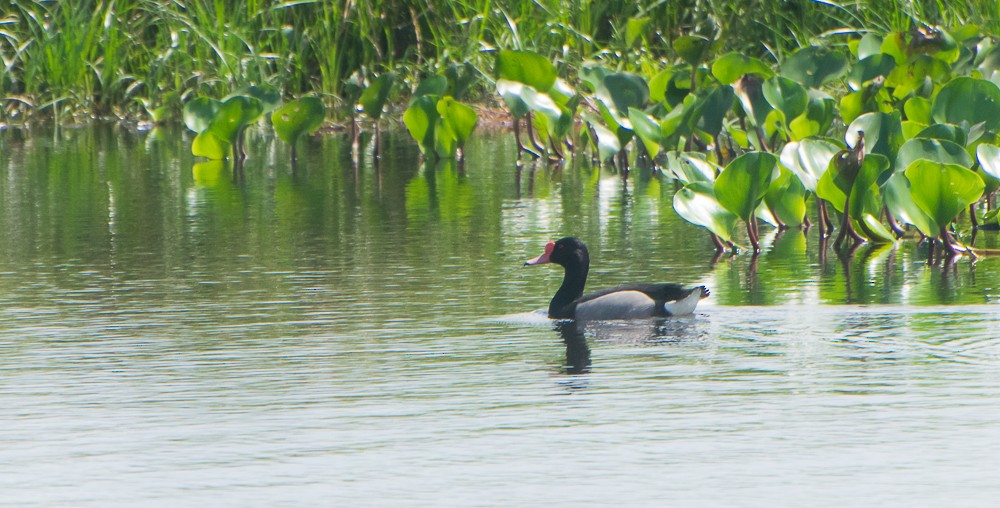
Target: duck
632 301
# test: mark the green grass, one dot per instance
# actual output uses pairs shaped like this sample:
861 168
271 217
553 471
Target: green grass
74 61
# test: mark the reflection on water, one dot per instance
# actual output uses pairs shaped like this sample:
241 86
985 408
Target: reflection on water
365 335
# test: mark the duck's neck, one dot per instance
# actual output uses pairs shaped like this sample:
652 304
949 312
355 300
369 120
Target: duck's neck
572 288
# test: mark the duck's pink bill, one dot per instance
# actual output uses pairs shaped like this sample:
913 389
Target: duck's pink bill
544 258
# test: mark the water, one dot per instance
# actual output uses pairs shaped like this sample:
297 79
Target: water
349 335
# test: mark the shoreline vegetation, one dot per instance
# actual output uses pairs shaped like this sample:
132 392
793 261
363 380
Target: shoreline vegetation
142 60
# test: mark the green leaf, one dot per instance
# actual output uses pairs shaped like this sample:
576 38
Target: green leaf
620 91
234 114
207 144
916 75
607 141
814 66
634 28
786 197
989 159
696 203
690 167
199 112
937 150
742 185
692 48
918 109
435 85
647 129
268 95
809 159
375 94
943 190
866 196
732 66
421 120
868 69
658 85
968 100
944 131
526 67
459 118
883 133
714 104
512 93
298 117
786 96
875 230
897 196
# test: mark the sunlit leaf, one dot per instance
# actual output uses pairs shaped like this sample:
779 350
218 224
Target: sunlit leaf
690 167
786 197
937 150
460 119
298 117
896 193
943 190
786 96
808 159
648 131
696 203
968 100
207 144
526 67
742 185
634 28
730 67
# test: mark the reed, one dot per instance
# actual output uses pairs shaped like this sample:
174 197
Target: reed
75 61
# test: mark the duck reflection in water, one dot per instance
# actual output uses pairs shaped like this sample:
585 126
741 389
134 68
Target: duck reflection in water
577 350
631 333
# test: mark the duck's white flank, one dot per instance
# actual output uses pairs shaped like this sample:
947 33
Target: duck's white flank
683 306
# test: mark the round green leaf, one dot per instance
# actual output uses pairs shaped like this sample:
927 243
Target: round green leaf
526 67
373 98
809 159
742 185
815 66
696 204
937 150
692 48
690 167
732 66
297 117
786 197
622 90
199 112
420 119
969 100
460 118
943 190
786 96
944 131
268 95
207 144
234 114
899 200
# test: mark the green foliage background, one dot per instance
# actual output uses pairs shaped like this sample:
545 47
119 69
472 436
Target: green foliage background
71 61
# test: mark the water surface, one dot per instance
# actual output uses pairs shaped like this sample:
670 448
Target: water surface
362 333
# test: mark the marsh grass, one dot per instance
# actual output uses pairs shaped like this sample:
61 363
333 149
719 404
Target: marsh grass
74 61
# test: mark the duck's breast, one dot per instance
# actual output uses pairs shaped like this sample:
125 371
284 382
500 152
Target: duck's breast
617 305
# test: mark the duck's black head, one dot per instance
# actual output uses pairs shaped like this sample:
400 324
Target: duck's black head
567 252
